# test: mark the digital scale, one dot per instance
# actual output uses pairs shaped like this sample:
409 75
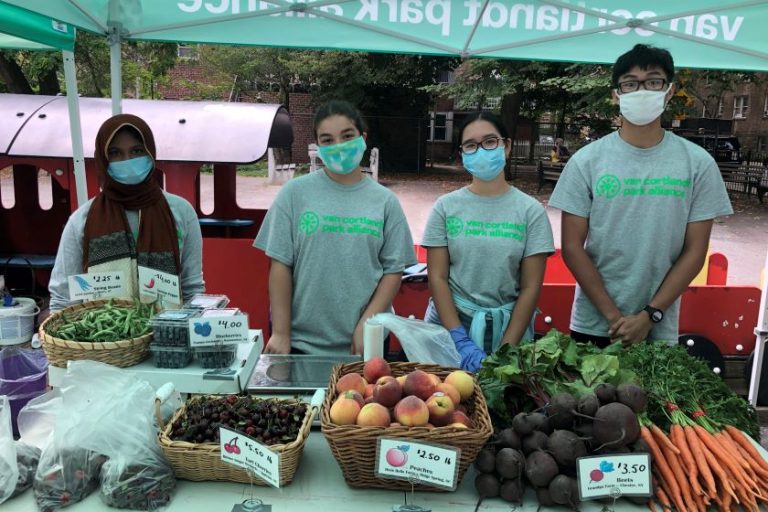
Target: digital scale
293 373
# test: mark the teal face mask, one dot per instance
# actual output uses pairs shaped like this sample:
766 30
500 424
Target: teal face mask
131 172
485 164
343 158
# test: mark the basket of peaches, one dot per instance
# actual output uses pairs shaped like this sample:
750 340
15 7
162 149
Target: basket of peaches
413 401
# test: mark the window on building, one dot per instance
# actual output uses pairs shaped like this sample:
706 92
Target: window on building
492 103
186 52
446 76
765 105
762 143
740 107
720 108
441 126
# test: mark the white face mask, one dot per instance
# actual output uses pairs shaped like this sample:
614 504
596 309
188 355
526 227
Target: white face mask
642 107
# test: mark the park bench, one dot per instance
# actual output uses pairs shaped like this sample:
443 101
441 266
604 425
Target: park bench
745 177
548 172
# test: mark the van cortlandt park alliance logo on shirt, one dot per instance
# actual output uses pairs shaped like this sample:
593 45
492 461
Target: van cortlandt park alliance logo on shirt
608 186
311 222
456 227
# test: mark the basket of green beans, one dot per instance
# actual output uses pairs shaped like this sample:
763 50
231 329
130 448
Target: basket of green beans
112 331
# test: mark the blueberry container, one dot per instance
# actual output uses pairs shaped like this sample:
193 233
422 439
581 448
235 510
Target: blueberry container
171 357
206 301
171 328
219 356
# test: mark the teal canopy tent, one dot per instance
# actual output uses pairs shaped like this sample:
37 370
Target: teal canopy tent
24 30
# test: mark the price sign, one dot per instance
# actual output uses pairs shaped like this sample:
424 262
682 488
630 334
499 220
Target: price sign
218 330
158 285
427 463
97 285
614 476
240 450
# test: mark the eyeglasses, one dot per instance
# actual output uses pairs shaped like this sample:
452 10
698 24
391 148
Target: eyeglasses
651 84
488 144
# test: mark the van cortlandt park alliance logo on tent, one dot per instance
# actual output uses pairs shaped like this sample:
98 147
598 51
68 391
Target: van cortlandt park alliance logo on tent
608 186
309 222
454 226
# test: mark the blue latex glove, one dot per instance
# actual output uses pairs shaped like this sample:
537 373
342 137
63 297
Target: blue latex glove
471 355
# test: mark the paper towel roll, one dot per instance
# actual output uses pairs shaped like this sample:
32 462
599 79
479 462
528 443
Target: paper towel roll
373 340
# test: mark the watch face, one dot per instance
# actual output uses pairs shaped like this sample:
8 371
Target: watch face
657 316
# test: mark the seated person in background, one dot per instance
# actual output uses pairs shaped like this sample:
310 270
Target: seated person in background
560 153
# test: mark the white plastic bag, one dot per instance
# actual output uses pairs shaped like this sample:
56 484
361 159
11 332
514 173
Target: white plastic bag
9 470
423 342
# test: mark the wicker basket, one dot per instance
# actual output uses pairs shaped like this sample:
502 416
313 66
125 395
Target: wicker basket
202 462
354 447
121 353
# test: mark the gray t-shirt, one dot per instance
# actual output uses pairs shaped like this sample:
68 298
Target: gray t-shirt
339 240
487 238
638 202
69 258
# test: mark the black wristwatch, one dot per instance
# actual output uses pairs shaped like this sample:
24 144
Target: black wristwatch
656 315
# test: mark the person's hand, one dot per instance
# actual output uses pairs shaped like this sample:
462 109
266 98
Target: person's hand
631 329
278 344
357 338
471 355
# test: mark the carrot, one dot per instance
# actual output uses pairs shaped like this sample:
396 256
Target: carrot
652 505
725 442
668 490
720 472
678 437
663 498
754 466
742 441
733 468
699 503
663 440
667 476
701 462
682 481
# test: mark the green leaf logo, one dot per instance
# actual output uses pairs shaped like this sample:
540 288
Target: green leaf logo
454 226
608 186
309 222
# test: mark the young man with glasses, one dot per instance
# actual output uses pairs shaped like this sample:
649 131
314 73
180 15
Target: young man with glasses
637 212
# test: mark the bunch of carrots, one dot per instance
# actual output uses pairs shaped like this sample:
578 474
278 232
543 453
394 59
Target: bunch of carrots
700 465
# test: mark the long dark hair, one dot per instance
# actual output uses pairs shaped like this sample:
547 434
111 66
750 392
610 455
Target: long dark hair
488 117
339 108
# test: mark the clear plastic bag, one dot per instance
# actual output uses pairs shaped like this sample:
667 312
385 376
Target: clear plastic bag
92 423
27 458
9 470
423 342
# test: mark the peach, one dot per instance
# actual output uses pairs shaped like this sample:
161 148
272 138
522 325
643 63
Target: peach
458 425
418 383
368 390
435 379
376 368
462 408
369 400
395 424
450 391
411 411
430 426
401 380
460 417
351 382
387 391
463 382
357 397
440 409
345 410
374 415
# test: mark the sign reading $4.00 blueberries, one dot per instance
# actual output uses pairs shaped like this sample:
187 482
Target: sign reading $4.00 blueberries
216 329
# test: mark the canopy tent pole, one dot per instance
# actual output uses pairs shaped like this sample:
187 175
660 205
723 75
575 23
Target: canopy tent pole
761 337
73 102
116 71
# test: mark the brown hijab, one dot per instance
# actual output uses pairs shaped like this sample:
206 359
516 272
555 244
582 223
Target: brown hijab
107 235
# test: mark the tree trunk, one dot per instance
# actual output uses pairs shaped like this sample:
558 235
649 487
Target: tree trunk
510 115
14 78
49 83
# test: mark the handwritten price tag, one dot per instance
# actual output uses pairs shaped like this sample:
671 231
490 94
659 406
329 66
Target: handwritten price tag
614 476
427 463
218 330
97 285
241 450
156 284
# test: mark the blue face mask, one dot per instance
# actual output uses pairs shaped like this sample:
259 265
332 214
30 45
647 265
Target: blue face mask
343 158
131 172
485 164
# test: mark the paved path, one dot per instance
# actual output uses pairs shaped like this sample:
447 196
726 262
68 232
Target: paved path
742 237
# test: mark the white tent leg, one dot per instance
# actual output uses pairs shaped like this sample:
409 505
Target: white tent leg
73 102
761 336
116 71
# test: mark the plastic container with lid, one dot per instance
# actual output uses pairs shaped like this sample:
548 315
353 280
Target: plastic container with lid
171 327
171 357
206 301
221 312
218 356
